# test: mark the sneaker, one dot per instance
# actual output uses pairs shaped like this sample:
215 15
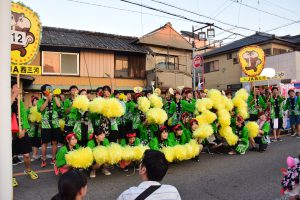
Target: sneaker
232 153
279 139
15 182
43 164
106 172
274 140
293 134
196 159
34 158
16 160
298 136
93 173
52 161
31 174
125 169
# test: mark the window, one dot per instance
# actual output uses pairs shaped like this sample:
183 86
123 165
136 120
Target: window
166 62
229 56
235 61
278 51
267 52
121 66
60 63
211 66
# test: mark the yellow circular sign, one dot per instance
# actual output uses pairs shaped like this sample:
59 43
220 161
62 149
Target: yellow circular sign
252 60
26 31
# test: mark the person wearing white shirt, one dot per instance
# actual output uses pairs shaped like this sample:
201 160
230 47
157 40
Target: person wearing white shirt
153 168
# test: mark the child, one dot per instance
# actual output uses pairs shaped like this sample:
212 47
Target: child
147 131
98 140
290 181
242 132
61 165
161 140
261 139
185 119
178 136
130 140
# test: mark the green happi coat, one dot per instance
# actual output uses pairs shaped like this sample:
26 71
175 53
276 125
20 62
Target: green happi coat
124 142
182 139
252 103
266 129
35 128
188 106
83 118
147 132
280 100
93 143
187 130
99 120
60 156
136 118
130 105
46 121
243 142
24 118
72 116
288 106
155 144
169 107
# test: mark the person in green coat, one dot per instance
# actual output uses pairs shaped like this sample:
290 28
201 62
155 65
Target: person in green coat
61 165
136 114
256 104
34 131
21 143
188 104
130 106
242 132
276 113
178 136
261 139
132 141
169 105
293 106
185 124
161 139
71 113
147 131
49 106
98 140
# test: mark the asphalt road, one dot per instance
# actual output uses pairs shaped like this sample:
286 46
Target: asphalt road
216 177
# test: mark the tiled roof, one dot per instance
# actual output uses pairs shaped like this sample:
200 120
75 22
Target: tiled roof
60 37
256 38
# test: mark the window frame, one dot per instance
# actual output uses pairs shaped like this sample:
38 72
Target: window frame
213 61
62 74
167 61
115 65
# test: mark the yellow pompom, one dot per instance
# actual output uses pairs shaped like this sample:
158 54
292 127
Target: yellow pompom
80 158
101 154
139 152
123 97
128 153
204 104
243 112
230 137
253 129
217 98
228 104
81 102
156 116
242 94
204 131
224 117
192 149
156 101
34 115
180 152
115 153
62 124
97 105
207 117
169 153
113 108
143 104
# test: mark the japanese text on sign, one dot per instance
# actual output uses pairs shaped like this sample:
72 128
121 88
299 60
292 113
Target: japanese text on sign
26 69
253 79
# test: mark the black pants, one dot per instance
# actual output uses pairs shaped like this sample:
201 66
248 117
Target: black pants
261 145
84 135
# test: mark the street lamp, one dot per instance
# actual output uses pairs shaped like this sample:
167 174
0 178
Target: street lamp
210 32
202 35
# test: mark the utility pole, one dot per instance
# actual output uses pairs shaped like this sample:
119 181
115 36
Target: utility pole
193 55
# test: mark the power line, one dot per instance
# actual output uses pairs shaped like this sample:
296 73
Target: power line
283 8
263 11
201 15
282 26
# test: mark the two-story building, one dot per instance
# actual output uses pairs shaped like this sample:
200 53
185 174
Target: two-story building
221 66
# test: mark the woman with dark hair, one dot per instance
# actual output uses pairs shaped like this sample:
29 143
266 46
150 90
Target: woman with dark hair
161 140
61 165
72 185
98 140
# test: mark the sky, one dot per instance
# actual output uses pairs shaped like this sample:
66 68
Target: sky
117 17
